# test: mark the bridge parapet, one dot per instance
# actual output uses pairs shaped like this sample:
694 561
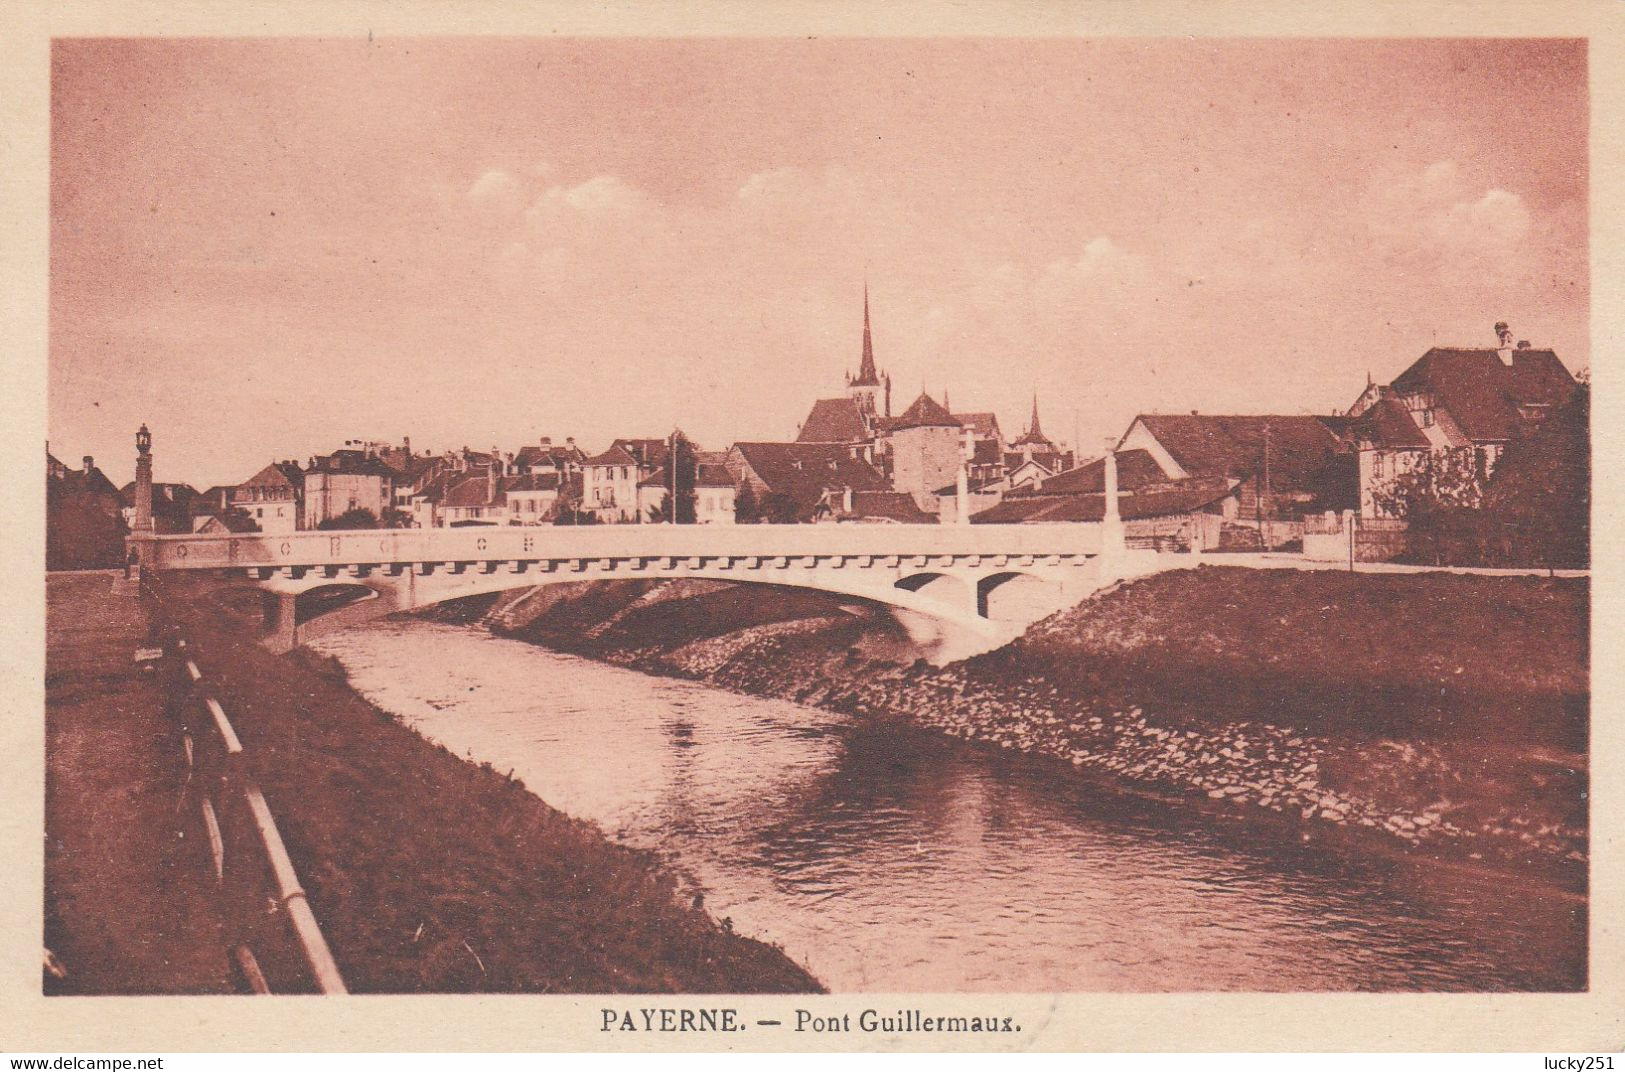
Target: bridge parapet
838 543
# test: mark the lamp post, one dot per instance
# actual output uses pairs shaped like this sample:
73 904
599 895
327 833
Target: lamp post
141 527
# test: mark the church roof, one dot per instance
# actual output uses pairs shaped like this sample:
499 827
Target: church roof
867 377
834 420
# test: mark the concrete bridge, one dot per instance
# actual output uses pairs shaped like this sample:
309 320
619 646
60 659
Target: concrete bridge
990 580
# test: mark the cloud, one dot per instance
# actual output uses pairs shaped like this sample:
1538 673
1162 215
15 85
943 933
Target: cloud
1497 222
497 190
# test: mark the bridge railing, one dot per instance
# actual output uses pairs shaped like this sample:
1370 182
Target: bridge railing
259 888
620 541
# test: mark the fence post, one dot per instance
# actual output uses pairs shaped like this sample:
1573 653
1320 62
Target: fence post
1348 524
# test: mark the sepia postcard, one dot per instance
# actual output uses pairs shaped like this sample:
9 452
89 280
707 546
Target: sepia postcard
1054 527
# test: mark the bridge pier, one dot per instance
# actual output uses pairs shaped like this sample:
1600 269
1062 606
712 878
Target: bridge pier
281 622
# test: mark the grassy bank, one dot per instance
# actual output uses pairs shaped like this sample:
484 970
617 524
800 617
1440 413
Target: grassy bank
432 874
1436 713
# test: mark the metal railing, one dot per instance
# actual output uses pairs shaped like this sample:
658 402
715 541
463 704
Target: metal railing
252 871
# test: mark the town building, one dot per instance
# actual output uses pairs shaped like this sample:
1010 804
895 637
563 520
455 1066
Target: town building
1279 467
925 448
1461 402
353 478
714 490
85 524
272 498
786 482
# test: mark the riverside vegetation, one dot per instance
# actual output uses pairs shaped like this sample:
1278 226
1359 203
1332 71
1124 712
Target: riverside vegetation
1424 714
429 873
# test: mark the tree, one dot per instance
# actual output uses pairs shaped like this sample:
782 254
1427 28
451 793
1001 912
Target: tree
679 475
747 511
1442 480
779 509
357 517
396 519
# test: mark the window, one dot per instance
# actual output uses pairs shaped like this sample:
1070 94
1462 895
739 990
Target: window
1376 465
1427 418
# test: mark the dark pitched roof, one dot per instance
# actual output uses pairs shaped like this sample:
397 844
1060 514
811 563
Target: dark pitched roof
615 455
231 521
646 452
471 490
1174 497
984 425
898 506
925 412
1389 425
834 420
1233 446
351 463
1135 469
803 471
1482 393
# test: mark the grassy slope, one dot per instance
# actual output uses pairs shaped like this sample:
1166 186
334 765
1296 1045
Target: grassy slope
392 833
1352 655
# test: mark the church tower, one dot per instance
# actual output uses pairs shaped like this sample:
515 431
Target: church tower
864 388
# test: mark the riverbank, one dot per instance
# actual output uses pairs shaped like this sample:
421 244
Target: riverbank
1427 714
128 909
430 873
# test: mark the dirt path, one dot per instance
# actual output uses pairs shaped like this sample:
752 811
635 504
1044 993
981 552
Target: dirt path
127 910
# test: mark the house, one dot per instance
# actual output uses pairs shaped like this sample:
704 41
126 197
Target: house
226 522
348 479
473 497
273 497
1280 466
1463 403
715 501
172 507
84 517
532 498
789 481
548 457
925 447
609 485
1153 507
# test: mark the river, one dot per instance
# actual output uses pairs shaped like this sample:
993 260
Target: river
887 859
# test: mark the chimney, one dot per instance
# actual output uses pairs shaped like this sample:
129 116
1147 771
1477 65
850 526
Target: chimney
406 445
846 499
1523 344
1504 351
491 480
90 463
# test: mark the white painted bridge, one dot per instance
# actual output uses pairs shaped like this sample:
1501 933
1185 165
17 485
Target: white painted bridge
992 580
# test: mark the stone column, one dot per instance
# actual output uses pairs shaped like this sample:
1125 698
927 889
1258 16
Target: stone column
1111 522
962 491
141 527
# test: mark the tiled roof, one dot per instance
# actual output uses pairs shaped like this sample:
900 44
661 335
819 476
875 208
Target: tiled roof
898 506
1482 393
471 490
1176 497
1135 469
987 452
1388 425
985 425
834 420
615 455
803 471
925 412
1233 446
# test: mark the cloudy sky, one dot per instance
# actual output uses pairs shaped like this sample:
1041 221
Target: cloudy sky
264 248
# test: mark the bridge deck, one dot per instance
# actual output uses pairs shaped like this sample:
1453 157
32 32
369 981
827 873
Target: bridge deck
622 541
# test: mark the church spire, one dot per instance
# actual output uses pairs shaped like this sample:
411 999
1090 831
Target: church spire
1034 431
867 377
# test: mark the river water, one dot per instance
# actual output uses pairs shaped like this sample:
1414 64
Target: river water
887 859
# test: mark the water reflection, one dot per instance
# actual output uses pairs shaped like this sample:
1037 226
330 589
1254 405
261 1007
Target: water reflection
884 858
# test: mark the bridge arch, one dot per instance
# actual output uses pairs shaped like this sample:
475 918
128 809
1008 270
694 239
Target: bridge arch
1015 596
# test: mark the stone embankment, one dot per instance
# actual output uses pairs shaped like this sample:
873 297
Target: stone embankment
1508 803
